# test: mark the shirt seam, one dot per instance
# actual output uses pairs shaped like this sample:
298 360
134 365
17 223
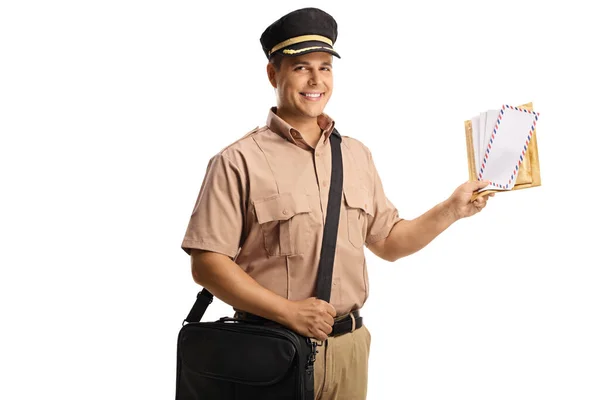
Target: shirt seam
230 162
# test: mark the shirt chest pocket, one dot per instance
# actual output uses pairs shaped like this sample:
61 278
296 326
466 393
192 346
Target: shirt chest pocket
359 205
284 221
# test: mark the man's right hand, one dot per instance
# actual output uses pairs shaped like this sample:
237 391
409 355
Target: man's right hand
311 318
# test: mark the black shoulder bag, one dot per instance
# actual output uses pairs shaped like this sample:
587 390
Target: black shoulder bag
242 360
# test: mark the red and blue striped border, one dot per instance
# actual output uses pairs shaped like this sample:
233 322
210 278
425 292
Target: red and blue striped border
489 146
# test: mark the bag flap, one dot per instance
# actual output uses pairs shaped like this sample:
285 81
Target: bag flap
214 350
280 207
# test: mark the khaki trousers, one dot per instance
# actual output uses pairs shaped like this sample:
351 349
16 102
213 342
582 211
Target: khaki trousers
341 366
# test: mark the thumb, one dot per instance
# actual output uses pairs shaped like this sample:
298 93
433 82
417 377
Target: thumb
476 185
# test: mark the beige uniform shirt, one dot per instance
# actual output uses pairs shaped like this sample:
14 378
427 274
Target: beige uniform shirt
263 203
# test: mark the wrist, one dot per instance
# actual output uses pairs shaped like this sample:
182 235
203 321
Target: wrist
450 211
282 311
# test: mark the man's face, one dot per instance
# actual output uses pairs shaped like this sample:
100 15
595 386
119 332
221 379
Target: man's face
304 83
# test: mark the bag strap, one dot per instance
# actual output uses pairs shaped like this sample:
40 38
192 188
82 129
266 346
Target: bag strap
325 271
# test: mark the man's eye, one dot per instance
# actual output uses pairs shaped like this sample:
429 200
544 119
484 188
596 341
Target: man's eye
297 68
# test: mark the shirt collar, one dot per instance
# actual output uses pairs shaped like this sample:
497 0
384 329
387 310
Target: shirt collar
286 131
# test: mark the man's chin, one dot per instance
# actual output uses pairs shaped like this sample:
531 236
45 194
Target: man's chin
313 112
313 115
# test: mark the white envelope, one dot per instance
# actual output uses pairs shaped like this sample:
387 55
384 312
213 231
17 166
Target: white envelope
507 145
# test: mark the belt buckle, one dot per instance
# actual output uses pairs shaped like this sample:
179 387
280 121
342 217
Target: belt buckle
353 322
350 316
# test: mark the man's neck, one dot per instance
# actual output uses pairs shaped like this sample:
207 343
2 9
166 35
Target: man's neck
308 127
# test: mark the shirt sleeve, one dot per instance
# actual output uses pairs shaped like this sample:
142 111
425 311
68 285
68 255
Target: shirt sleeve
385 214
216 222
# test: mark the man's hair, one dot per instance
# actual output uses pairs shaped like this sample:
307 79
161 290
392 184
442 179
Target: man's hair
276 60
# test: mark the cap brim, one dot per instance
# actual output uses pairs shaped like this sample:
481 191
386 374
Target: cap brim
307 47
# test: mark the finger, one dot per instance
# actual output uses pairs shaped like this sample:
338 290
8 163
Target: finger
483 183
329 319
321 335
330 309
326 328
476 185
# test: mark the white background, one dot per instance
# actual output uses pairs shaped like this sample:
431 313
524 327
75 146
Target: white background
110 111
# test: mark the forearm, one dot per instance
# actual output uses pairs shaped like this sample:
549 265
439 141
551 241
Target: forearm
410 236
227 281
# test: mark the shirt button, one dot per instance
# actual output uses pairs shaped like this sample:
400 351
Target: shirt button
284 212
318 154
324 183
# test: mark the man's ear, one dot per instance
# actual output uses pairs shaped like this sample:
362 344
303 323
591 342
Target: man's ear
272 74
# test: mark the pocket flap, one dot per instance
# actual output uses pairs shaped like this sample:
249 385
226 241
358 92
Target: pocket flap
280 207
358 197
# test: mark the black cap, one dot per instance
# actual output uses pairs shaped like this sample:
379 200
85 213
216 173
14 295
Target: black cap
300 32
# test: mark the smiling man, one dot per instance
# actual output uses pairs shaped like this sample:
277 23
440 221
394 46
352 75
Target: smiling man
256 230
304 84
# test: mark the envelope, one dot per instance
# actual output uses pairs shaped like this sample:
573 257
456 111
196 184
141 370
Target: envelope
528 175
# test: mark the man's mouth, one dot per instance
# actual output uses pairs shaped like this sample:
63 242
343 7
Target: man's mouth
311 96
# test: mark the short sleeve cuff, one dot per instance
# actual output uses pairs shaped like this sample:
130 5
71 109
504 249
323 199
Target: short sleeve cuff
384 233
189 244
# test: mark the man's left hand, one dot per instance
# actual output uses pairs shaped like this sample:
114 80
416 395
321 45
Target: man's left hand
460 203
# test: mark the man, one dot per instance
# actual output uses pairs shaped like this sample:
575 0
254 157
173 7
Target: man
256 229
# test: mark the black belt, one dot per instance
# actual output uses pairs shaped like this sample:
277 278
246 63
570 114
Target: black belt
344 325
340 326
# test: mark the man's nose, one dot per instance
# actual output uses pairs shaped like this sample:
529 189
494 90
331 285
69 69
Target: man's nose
315 78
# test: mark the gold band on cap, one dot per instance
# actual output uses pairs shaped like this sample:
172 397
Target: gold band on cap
290 51
300 39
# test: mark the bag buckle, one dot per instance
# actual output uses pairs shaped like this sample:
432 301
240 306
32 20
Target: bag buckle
312 357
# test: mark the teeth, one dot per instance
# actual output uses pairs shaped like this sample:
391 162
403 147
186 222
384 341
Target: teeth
312 94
